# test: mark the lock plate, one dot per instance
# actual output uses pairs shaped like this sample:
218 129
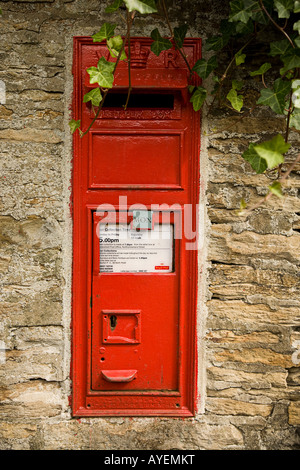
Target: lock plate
121 326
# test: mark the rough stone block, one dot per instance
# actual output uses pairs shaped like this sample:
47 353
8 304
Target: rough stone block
227 407
31 400
294 413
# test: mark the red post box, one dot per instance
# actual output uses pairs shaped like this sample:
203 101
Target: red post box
135 195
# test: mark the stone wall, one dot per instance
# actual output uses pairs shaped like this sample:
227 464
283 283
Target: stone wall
248 316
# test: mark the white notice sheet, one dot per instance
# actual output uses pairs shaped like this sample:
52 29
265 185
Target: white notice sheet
126 250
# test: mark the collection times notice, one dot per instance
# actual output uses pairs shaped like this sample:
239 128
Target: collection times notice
126 250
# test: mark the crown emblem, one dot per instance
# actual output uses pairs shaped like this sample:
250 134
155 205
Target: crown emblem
139 55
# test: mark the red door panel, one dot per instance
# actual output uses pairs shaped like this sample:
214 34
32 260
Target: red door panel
153 352
154 159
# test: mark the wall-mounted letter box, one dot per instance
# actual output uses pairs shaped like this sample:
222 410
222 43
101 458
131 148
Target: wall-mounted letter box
135 195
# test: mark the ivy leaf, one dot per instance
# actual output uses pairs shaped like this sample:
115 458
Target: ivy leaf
238 12
102 74
297 6
107 31
291 60
142 6
74 125
115 45
276 189
262 69
258 163
297 41
284 7
279 47
244 10
235 99
203 68
297 26
179 34
275 98
227 29
295 119
243 204
256 12
216 43
115 6
94 96
198 97
160 43
272 150
240 58
242 28
296 93
237 84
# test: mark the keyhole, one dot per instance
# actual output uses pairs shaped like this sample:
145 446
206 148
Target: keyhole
113 322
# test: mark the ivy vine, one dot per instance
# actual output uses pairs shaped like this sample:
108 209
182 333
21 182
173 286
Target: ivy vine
248 21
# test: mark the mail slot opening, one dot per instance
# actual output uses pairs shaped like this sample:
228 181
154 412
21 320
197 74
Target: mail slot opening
140 100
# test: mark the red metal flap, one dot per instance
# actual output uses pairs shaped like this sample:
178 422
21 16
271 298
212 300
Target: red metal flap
119 375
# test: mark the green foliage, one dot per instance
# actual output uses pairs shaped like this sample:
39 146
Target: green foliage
297 6
295 119
142 6
239 58
247 20
204 68
279 47
237 84
238 12
267 154
115 45
243 11
74 125
235 99
296 26
296 93
243 204
216 43
291 60
107 31
102 74
159 43
115 6
180 34
284 7
275 97
272 151
198 97
258 163
262 69
276 189
94 96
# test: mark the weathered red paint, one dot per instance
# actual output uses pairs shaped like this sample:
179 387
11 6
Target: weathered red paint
146 365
